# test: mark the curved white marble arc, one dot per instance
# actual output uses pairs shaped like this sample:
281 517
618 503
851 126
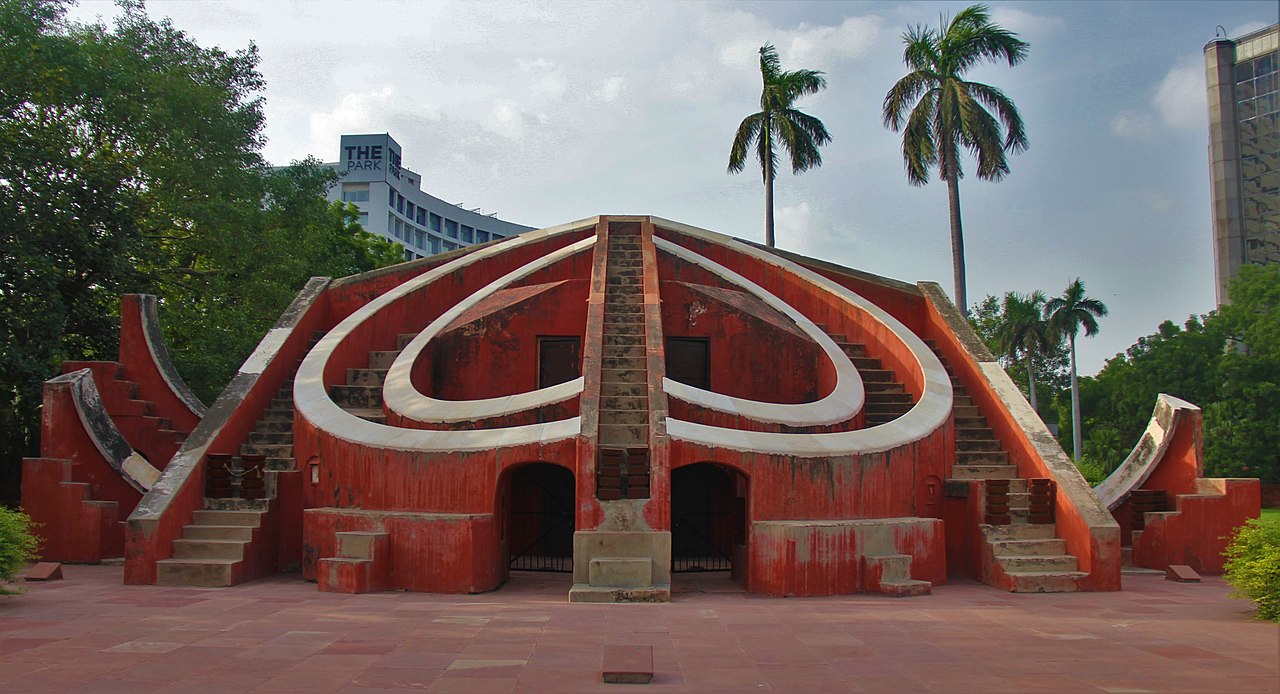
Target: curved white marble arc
841 404
311 398
928 414
404 399
1169 413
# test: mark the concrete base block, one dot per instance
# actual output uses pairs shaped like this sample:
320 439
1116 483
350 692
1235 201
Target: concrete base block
633 572
582 592
631 544
627 665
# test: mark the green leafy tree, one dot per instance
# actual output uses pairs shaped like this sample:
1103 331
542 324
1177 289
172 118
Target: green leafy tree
1066 315
1038 365
130 161
941 114
779 125
18 546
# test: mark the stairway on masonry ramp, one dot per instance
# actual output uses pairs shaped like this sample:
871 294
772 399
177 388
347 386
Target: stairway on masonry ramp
232 540
887 399
620 561
1030 554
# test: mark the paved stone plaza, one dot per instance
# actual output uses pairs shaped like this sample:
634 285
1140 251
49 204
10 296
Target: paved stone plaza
89 633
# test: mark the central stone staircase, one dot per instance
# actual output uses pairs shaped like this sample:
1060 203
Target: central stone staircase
1024 546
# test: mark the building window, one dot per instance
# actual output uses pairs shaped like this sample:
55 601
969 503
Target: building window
420 239
468 234
451 229
399 203
408 254
435 223
422 216
481 236
408 210
391 197
363 218
435 245
355 195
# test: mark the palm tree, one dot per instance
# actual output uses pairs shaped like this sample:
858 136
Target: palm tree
1023 330
939 113
1066 314
779 124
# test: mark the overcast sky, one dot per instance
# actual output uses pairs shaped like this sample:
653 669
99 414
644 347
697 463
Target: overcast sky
549 112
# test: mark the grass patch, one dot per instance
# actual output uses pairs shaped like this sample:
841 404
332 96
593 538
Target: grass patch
1271 516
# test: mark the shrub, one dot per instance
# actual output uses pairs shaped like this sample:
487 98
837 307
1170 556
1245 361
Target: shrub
1253 566
18 546
1093 472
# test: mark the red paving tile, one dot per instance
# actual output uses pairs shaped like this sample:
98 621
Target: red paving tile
89 633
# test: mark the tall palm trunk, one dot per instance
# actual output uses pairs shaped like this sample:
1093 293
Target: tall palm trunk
957 237
768 206
1076 438
1031 384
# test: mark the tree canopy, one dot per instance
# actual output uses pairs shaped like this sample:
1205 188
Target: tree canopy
130 161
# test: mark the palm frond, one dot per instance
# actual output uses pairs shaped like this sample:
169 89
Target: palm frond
770 65
919 150
921 48
1015 139
982 136
747 133
903 94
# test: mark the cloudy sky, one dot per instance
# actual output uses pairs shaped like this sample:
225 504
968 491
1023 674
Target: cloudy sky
546 112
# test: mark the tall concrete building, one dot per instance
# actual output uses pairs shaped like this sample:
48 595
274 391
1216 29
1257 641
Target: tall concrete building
1243 78
371 171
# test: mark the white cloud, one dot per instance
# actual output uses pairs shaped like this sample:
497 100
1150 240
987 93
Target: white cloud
1179 103
1133 123
1180 98
1155 200
793 226
355 112
815 47
1022 22
610 89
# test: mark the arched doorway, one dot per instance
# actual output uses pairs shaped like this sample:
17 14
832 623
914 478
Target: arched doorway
708 519
540 518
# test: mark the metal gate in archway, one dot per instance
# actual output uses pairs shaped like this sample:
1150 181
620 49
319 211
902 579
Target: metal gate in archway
540 530
707 519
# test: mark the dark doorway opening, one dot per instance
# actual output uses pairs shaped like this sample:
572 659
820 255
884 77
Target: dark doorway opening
689 361
540 520
708 518
559 360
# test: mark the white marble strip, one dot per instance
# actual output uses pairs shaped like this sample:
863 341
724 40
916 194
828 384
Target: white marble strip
841 404
402 397
312 402
928 415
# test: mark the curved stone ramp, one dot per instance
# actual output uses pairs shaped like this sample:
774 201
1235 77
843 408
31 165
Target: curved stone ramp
157 377
313 402
1168 415
404 399
840 405
927 415
134 469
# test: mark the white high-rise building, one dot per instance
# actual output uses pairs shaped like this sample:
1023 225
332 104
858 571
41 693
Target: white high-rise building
392 203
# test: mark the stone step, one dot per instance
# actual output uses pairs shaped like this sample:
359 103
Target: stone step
623 435
884 397
627 329
1040 563
242 533
623 339
369 414
971 433
882 387
905 588
976 445
403 340
362 397
1045 581
631 417
1037 547
624 381
961 471
366 377
269 450
382 359
958 400
280 404
271 438
866 363
982 458
995 533
624 402
208 549
852 349
215 517
634 351
636 363
874 408
876 375
259 506
630 269
207 573
281 464
277 415
621 309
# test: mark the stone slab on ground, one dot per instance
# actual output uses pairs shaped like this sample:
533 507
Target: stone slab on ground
44 571
1181 573
627 665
